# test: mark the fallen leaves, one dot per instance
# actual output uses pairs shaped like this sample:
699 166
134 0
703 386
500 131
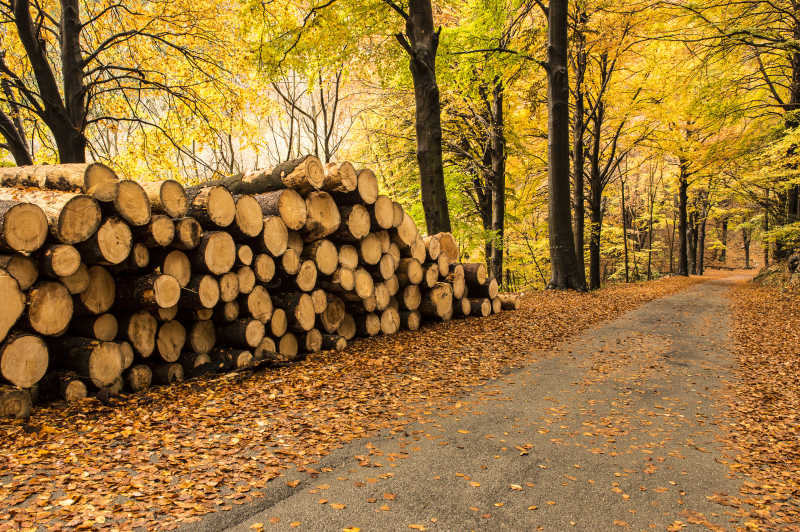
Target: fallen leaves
337 506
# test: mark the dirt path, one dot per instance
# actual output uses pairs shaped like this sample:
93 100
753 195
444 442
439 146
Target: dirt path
614 429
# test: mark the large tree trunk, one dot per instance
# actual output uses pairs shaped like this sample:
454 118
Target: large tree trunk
564 266
683 252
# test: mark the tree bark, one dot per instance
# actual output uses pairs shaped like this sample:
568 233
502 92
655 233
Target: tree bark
683 252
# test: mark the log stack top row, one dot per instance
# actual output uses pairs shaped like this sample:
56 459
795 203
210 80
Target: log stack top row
112 284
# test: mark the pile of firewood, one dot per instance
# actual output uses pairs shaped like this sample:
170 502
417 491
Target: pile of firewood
110 285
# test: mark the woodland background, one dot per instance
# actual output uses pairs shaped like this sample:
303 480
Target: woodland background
665 97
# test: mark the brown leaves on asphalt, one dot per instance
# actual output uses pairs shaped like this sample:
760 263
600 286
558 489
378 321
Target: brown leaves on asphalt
168 456
765 433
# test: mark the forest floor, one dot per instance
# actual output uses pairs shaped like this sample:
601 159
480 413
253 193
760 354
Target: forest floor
408 431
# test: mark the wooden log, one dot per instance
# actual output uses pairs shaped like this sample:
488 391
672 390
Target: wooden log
430 275
333 341
170 339
78 282
359 306
407 231
489 289
303 173
368 324
323 216
382 213
295 242
13 303
110 245
462 307
140 330
228 286
130 203
456 278
355 224
320 300
263 267
275 237
213 206
410 320
311 341
243 332
202 336
138 378
347 329
188 232
14 402
390 321
497 306
343 280
201 292
480 306
167 374
215 254
232 358
509 301
244 254
23 359
305 280
324 255
444 263
174 263
278 323
364 285
366 190
257 304
159 232
370 249
286 204
126 353
392 285
385 239
148 292
299 310
411 297
385 268
63 385
248 222
96 179
432 246
246 278
71 218
226 312
50 308
394 251
340 177
100 294
288 346
187 315
23 269
196 364
437 303
409 271
99 362
332 316
448 245
475 274
394 303
138 258
417 250
348 256
267 350
397 214
290 262
23 226
167 197
103 327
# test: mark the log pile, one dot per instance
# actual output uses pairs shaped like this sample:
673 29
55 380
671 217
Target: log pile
112 285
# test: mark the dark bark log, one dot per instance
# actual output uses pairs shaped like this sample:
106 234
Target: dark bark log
21 268
167 197
167 374
304 174
244 332
23 226
333 341
110 245
212 206
103 327
99 362
286 204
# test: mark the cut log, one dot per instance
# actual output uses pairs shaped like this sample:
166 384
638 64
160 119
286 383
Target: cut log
226 312
407 232
148 292
202 336
275 237
497 306
312 341
430 275
287 204
475 274
99 362
306 278
295 242
397 214
343 280
201 292
257 304
509 301
216 253
348 256
103 327
78 282
355 224
390 321
462 307
167 374
266 350
382 296
278 323
138 378
386 267
382 213
167 197
432 246
248 220
370 249
71 218
409 271
385 239
333 341
340 177
394 303
21 268
412 297
263 267
64 385
444 263
394 251
490 289
246 278
195 364
170 339
288 346
130 203
23 226
96 179
448 245
304 174
244 254
368 324
299 310
138 258
456 278
480 306
320 300
438 302
50 308
140 330
323 216
290 262
364 285
417 250
333 315
410 320
174 263
159 232
166 314
13 303
392 285
366 190
324 255
110 245
347 329
127 354
14 402
363 305
212 206
244 332
23 359
232 359
228 287
188 232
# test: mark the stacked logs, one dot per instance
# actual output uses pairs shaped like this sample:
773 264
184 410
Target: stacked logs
113 285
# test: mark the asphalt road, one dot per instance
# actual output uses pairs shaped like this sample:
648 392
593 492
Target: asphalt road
614 430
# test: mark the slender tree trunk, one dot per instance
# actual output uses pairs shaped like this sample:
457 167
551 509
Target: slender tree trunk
595 229
498 145
701 246
564 266
578 156
683 185
650 238
765 228
624 227
746 246
421 42
691 240
724 238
